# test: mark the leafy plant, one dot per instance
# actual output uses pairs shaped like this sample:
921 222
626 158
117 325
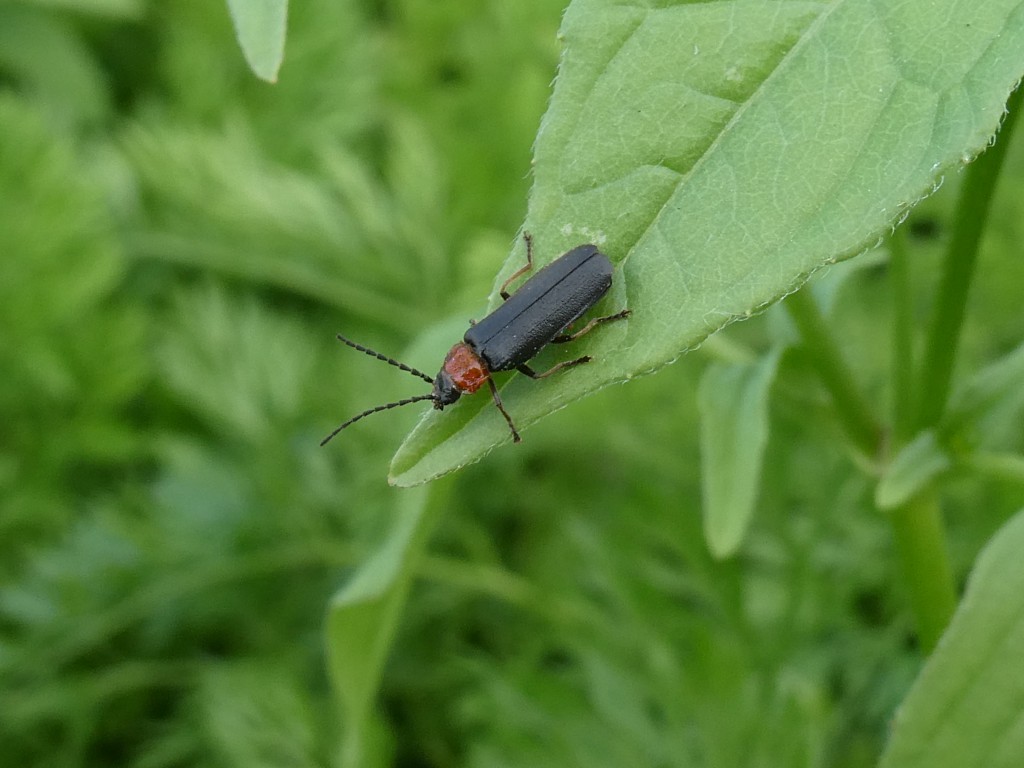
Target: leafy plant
846 116
180 241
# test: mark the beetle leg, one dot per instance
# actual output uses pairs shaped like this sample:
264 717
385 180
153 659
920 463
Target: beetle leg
501 407
563 338
522 270
528 371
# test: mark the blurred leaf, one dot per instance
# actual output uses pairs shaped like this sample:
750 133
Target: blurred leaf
327 94
221 204
70 353
913 468
733 402
722 153
989 403
56 278
260 26
1003 466
964 709
235 363
987 406
256 713
113 8
46 57
361 623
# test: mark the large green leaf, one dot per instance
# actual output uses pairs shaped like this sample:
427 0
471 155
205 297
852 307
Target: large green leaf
965 708
721 151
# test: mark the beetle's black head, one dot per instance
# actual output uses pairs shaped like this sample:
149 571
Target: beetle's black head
445 391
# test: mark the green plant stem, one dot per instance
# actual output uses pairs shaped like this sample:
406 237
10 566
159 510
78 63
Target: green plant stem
921 546
852 407
902 363
917 525
958 269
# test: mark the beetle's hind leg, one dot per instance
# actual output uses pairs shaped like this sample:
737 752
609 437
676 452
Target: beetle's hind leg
523 269
528 371
563 338
566 337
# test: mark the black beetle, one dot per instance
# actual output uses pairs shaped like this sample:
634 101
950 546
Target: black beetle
533 317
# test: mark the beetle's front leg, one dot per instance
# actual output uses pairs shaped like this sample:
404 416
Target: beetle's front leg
522 270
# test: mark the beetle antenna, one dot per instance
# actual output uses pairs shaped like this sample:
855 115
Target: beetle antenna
389 361
395 404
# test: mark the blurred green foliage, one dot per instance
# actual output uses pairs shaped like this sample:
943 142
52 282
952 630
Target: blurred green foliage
178 243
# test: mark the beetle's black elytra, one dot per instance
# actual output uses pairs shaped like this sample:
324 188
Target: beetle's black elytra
536 315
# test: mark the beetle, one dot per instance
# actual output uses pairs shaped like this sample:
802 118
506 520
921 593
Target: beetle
537 314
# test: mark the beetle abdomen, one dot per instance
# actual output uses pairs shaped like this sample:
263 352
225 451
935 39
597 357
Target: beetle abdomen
546 303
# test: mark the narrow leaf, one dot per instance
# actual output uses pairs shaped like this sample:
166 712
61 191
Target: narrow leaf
733 403
991 398
361 623
920 461
260 27
719 153
965 708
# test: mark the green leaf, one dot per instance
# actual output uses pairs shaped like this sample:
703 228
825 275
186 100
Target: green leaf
733 403
235 363
46 56
991 399
260 26
257 713
916 465
719 153
987 405
361 623
965 707
1007 467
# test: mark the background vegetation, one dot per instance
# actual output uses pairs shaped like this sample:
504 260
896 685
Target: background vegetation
179 242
